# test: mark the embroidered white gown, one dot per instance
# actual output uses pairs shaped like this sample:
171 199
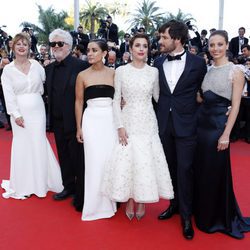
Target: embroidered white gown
138 170
34 168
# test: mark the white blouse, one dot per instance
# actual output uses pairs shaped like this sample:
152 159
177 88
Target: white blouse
16 83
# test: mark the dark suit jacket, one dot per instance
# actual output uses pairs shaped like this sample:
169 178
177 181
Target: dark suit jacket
234 45
113 33
124 48
72 67
182 101
196 41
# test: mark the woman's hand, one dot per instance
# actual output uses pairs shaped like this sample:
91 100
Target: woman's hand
20 121
79 136
223 142
199 98
123 136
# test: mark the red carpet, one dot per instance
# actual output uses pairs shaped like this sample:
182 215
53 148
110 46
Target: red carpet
44 224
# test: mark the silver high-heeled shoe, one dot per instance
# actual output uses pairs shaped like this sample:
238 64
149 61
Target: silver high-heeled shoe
129 214
141 214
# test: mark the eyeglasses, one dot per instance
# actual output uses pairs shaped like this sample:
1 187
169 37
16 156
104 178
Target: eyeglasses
53 44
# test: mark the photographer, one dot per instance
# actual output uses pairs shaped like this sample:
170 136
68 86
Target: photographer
33 39
4 39
109 30
200 41
79 37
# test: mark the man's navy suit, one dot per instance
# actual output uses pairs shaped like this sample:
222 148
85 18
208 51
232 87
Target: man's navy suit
177 120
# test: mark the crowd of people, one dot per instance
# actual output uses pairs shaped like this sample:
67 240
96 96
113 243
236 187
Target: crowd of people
147 124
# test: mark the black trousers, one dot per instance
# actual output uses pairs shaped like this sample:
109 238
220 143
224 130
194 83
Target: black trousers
71 159
180 152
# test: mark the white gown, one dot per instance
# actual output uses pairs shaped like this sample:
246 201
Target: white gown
34 168
138 170
99 136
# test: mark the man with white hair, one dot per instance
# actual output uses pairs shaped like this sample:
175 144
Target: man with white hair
60 81
112 63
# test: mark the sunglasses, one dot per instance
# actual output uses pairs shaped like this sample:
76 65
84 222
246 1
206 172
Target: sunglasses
53 44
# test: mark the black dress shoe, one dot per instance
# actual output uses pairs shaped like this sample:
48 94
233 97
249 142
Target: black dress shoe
188 231
63 195
168 213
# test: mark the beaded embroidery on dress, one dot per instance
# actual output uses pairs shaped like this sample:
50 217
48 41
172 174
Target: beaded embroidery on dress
138 170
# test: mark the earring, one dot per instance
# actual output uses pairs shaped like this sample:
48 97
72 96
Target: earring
103 60
146 59
131 57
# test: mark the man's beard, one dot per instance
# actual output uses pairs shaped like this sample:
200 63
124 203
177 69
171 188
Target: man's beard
59 55
167 50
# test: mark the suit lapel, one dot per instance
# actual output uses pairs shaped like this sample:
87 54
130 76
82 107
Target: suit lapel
162 74
185 73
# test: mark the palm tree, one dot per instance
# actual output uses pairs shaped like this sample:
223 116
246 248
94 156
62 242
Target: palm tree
91 15
146 15
180 16
49 20
117 8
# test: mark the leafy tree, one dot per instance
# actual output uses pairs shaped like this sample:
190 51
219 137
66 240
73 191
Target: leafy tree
180 16
117 8
48 20
90 16
146 15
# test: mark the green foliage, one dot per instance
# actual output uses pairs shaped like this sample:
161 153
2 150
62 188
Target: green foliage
121 34
180 16
90 16
146 15
48 20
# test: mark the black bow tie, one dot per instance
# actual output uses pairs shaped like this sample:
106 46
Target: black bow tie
111 65
177 57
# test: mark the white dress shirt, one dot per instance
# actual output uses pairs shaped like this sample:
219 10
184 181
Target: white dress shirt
15 83
173 70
